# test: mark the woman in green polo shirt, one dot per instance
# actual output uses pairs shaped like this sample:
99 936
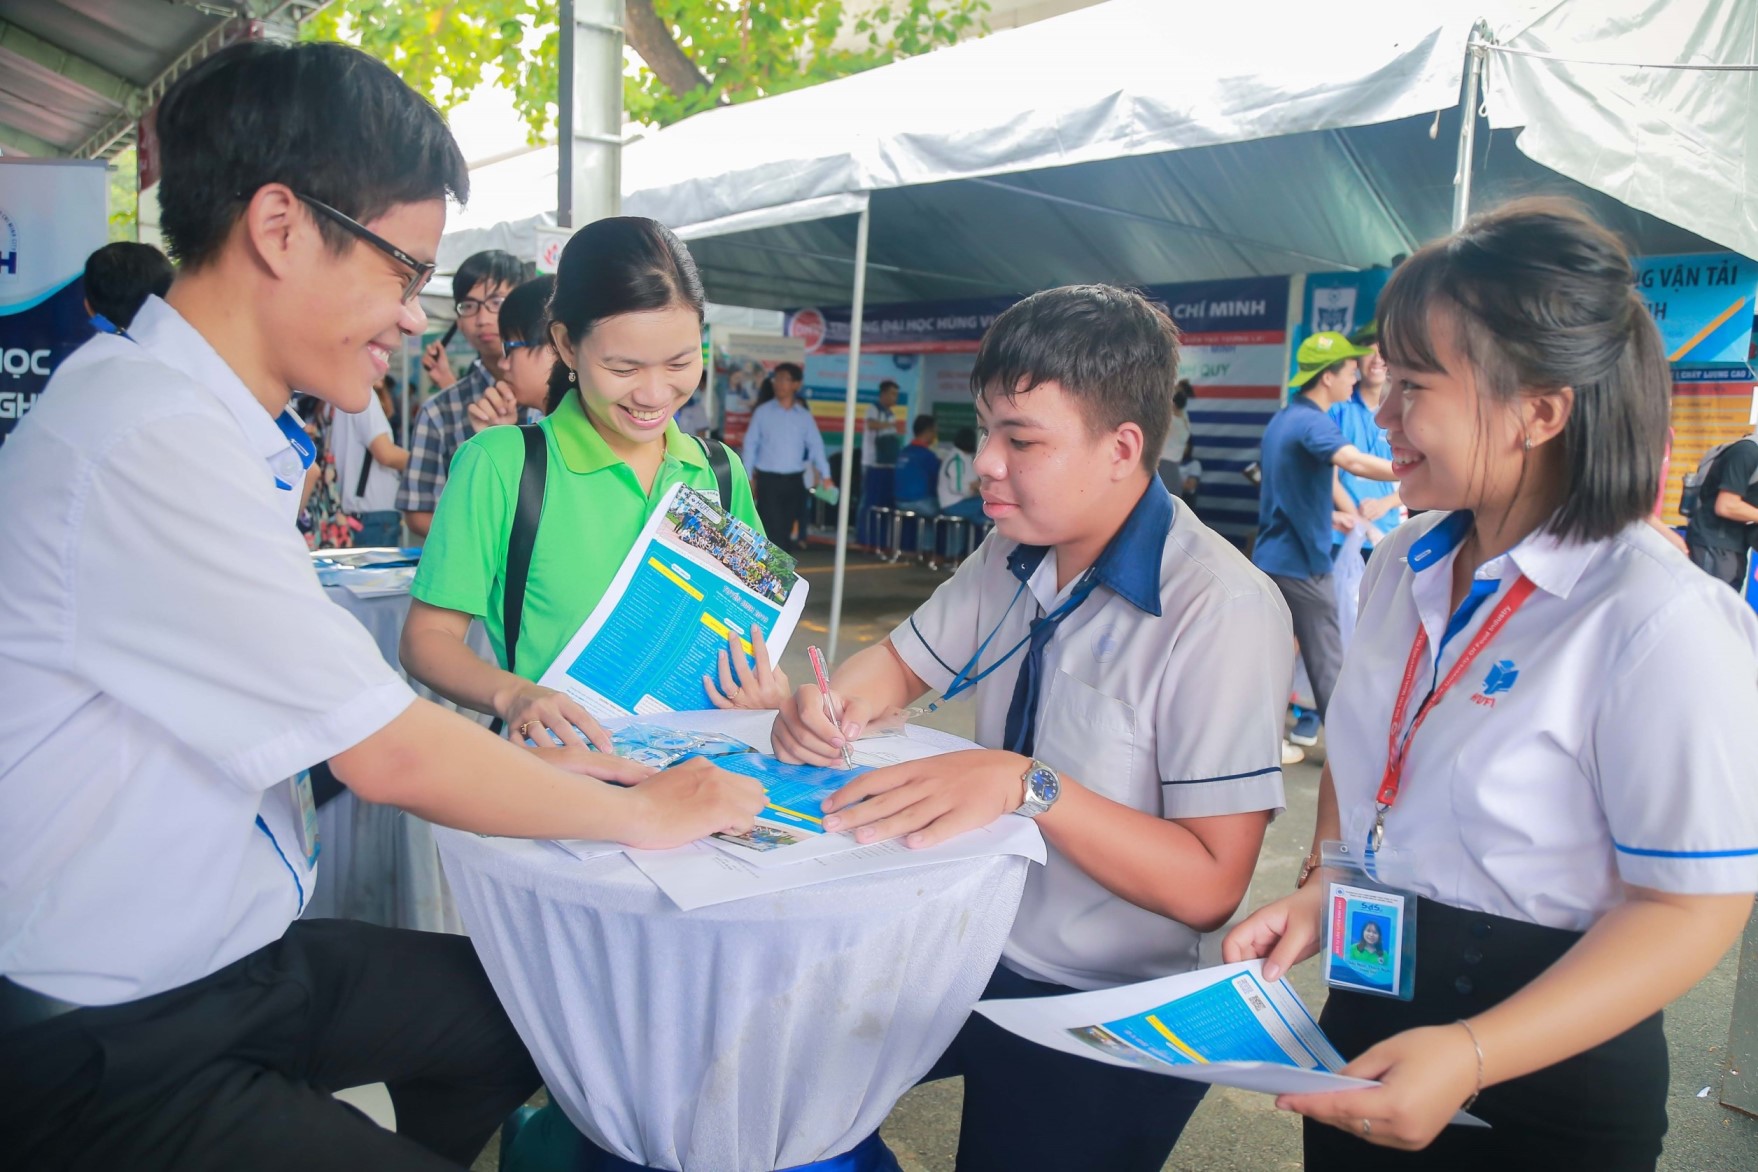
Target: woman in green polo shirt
625 322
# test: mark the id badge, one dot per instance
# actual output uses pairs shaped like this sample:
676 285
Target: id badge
305 817
1369 925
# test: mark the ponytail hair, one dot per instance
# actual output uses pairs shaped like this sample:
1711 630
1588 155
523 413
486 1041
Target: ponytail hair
623 264
1540 297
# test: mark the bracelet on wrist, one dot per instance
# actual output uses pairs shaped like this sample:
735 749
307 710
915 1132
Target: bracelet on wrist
1472 1034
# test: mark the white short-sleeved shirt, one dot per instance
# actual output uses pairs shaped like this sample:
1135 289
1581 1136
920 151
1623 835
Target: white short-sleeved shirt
1605 736
1164 691
167 661
879 421
351 438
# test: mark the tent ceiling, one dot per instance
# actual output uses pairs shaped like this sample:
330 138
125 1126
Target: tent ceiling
78 73
1305 203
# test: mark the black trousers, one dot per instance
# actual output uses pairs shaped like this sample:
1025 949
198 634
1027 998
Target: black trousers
1028 1108
234 1072
1604 1109
781 501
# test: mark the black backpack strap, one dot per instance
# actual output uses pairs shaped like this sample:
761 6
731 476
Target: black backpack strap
365 471
522 540
721 463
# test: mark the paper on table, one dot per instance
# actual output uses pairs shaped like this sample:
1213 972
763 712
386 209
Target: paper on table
788 832
697 875
693 576
1223 1025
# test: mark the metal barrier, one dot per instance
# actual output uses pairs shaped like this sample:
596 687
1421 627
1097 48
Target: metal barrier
879 526
954 539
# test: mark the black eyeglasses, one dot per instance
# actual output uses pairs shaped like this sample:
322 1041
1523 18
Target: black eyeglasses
422 270
470 306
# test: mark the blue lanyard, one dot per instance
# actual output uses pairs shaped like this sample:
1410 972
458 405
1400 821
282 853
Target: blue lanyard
104 325
964 680
297 440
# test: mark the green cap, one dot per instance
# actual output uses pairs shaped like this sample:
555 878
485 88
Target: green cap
1321 351
1367 335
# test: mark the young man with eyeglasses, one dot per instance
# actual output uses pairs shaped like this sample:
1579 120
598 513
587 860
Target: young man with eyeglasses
170 669
442 425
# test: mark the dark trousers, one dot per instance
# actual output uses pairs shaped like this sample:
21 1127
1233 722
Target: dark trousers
1313 604
1604 1110
1027 1107
234 1071
1727 565
781 501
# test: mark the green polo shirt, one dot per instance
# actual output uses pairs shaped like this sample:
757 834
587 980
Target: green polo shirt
593 510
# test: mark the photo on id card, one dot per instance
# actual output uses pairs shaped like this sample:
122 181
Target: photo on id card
1364 939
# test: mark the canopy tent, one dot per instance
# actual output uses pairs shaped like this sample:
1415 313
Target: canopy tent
1143 142
84 71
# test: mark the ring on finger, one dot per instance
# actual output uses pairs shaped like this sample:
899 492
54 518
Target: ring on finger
527 725
1366 1127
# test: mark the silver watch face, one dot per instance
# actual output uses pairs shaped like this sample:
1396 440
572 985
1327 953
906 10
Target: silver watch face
1042 786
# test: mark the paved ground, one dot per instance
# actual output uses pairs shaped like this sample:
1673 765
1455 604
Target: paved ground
1234 1131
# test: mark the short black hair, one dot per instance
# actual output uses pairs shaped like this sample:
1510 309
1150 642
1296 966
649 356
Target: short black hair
491 267
1110 348
1537 297
525 312
923 425
792 369
889 382
325 119
613 266
120 276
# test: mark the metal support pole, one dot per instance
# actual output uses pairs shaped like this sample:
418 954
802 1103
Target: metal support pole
857 309
590 133
1467 134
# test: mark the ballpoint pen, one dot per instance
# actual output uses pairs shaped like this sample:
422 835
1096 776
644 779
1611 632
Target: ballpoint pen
817 658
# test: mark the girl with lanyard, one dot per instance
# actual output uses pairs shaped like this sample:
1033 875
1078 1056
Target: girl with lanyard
619 348
1563 801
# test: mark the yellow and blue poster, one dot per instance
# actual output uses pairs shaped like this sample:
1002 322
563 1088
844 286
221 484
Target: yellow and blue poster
1704 305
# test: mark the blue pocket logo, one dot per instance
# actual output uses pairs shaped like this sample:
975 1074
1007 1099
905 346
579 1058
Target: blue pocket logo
1501 678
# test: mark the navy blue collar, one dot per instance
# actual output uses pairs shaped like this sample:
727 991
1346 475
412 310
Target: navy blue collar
1130 564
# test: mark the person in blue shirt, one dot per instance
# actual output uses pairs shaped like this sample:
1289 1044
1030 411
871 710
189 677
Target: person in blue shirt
1295 508
1377 501
782 448
918 470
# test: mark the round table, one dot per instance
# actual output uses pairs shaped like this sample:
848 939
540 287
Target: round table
759 1034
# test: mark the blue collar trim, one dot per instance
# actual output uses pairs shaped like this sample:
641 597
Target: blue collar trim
1443 539
1130 564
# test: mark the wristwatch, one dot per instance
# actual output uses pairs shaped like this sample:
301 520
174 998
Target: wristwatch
1042 788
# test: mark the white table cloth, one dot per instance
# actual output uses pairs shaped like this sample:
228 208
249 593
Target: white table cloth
743 1037
379 863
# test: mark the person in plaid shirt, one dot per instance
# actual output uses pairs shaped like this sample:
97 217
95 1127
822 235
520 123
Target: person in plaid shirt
481 283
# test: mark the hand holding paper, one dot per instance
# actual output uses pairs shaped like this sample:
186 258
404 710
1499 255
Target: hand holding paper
1424 1075
1282 933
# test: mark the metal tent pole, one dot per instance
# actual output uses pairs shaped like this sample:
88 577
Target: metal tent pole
1467 133
856 312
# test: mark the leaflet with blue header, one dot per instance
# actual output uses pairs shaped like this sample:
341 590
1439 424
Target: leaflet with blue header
693 577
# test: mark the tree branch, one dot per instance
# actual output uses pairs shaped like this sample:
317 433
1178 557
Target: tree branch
653 40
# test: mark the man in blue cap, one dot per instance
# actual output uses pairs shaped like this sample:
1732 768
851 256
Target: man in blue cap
1295 510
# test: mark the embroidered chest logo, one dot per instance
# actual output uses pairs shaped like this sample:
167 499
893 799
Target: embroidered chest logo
1500 679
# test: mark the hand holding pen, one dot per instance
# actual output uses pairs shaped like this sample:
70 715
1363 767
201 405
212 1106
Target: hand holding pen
830 708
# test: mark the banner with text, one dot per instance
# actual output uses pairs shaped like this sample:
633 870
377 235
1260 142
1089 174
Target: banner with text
827 389
1704 306
53 215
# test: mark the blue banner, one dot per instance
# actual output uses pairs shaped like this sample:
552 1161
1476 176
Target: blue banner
52 216
1704 305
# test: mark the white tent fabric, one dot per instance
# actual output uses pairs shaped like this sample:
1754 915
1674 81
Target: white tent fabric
1677 144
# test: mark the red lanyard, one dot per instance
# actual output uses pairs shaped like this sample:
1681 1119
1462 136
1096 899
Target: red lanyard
1396 752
